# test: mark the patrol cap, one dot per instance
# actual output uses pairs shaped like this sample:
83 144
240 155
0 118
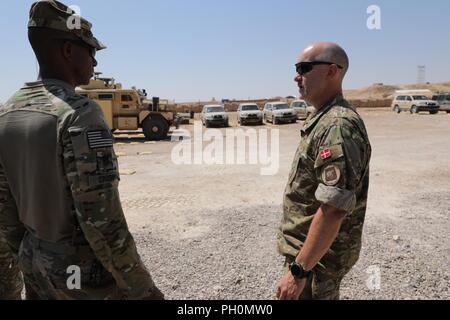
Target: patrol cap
55 15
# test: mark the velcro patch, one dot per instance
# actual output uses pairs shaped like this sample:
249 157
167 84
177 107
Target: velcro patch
331 175
100 139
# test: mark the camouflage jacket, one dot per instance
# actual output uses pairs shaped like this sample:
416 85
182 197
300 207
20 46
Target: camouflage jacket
59 174
331 166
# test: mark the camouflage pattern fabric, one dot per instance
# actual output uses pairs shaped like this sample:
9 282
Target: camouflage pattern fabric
91 205
10 278
331 166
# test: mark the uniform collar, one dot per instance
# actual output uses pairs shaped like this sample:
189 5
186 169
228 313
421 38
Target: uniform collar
51 82
60 83
336 100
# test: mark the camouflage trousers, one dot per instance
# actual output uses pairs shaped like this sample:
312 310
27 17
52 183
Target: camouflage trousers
321 285
11 283
48 272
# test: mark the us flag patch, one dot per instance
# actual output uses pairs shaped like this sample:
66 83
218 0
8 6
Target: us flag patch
99 139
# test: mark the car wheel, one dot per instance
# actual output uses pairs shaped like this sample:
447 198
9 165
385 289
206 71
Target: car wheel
155 127
433 112
414 109
397 109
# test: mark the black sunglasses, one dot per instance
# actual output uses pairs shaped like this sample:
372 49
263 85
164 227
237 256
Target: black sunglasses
303 68
92 50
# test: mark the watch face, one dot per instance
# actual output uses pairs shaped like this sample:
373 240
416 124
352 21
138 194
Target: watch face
296 270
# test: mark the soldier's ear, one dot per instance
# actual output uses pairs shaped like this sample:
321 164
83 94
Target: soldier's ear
333 71
67 50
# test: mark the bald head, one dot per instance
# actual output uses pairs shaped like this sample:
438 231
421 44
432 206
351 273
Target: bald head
326 51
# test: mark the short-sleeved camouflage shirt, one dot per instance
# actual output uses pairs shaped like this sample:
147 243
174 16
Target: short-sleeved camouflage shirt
331 166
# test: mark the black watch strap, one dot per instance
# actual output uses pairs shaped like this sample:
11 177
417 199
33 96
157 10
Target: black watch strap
298 272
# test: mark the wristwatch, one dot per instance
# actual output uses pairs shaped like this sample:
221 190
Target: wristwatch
298 272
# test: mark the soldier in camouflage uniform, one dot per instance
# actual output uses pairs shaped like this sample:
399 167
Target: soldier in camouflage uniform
59 199
326 194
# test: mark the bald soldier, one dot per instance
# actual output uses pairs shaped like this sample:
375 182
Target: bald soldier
326 194
59 175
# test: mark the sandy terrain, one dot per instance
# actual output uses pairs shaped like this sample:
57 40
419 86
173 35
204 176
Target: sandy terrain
208 231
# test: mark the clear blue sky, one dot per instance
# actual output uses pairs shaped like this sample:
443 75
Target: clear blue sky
199 49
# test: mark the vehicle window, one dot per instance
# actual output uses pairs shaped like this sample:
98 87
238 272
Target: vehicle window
408 98
298 104
448 97
420 98
249 107
435 98
280 106
105 96
126 97
400 98
215 109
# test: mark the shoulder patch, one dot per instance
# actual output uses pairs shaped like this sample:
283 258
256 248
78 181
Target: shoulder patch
99 139
328 154
331 175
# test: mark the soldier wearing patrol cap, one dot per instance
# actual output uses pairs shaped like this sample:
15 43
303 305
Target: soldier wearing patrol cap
326 195
59 199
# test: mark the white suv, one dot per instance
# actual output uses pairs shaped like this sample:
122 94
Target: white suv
414 104
214 115
277 112
249 113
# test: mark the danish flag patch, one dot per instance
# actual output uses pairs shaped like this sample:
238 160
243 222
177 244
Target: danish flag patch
325 154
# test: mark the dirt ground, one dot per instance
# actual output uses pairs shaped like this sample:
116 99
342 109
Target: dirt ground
208 231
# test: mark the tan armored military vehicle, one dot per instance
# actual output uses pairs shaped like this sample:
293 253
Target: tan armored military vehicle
129 109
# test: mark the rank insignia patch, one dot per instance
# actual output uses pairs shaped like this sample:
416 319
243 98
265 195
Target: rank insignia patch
331 175
100 139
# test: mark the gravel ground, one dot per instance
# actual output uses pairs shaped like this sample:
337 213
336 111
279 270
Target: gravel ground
208 232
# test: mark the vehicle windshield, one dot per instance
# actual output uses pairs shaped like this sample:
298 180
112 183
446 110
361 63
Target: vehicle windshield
420 98
249 107
214 109
280 106
298 104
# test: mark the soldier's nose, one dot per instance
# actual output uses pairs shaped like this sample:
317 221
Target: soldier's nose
94 62
298 78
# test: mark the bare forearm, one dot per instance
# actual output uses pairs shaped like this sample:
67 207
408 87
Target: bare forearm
322 233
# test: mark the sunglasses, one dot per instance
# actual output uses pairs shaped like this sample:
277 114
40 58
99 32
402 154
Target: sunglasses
92 50
303 68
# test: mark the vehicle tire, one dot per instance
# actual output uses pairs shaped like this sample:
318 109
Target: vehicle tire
294 121
155 127
397 109
414 109
433 112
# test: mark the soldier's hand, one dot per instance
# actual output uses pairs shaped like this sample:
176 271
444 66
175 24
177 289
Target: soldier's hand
289 288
